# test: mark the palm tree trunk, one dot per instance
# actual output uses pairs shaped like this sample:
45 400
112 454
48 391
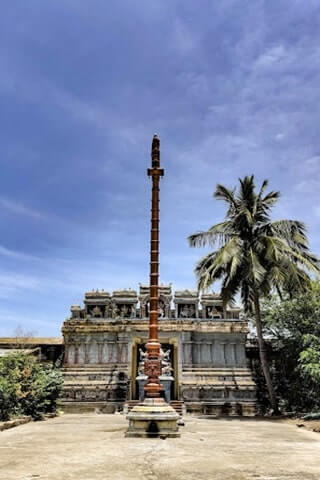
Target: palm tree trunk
263 356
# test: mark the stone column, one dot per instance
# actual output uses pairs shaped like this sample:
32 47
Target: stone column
207 355
223 352
93 353
118 351
81 358
100 349
122 351
125 352
232 351
196 352
105 352
76 354
242 359
111 352
86 352
187 352
212 351
202 356
66 354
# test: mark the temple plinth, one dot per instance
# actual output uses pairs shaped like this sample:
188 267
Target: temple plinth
153 417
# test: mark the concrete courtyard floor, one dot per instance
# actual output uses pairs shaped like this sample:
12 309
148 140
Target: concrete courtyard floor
93 447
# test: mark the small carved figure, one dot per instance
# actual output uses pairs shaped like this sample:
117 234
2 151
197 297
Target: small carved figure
96 312
212 312
142 361
167 370
115 311
184 312
165 362
143 355
161 309
166 356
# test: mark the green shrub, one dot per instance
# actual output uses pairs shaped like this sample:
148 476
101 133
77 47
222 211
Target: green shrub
292 328
27 387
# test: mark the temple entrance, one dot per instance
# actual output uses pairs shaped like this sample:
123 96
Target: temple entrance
171 356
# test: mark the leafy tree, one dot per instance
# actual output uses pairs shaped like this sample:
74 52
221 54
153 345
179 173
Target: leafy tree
27 387
255 255
292 327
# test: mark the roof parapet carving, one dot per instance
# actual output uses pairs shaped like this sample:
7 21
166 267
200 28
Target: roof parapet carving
164 290
96 294
126 304
181 295
121 294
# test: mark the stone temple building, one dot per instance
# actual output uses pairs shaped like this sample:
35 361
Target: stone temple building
204 343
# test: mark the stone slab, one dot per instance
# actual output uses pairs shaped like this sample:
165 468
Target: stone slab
14 423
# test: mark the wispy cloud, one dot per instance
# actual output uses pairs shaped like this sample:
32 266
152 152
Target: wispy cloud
14 283
6 252
19 209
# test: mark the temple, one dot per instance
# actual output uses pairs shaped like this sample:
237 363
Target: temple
205 367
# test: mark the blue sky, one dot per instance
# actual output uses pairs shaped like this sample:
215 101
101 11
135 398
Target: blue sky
231 87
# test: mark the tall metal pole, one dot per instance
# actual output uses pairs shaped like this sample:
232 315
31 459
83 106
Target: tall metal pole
153 361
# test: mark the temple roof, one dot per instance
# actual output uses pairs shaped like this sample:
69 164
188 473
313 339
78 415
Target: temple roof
31 340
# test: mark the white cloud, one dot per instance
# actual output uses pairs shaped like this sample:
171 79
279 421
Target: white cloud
313 163
15 283
6 252
185 41
271 57
19 209
10 322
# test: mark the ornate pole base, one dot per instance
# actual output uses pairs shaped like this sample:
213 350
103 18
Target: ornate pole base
153 418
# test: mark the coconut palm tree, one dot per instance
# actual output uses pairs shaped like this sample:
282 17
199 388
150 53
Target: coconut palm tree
255 256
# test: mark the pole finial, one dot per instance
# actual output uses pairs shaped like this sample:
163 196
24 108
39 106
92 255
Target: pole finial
155 151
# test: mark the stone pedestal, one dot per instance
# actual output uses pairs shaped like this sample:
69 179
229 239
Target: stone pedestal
166 382
153 418
142 380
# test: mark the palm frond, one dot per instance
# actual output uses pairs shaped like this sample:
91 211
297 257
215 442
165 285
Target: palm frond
263 187
257 270
270 199
229 290
223 193
221 232
308 261
293 231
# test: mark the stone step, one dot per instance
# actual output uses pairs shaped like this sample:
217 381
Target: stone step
95 366
91 383
223 370
176 404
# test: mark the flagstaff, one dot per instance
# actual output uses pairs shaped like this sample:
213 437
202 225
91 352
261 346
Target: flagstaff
153 361
153 417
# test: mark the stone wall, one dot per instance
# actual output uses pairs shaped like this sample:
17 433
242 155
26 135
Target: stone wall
207 341
210 365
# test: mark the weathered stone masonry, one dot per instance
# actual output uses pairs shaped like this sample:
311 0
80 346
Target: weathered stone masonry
207 345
